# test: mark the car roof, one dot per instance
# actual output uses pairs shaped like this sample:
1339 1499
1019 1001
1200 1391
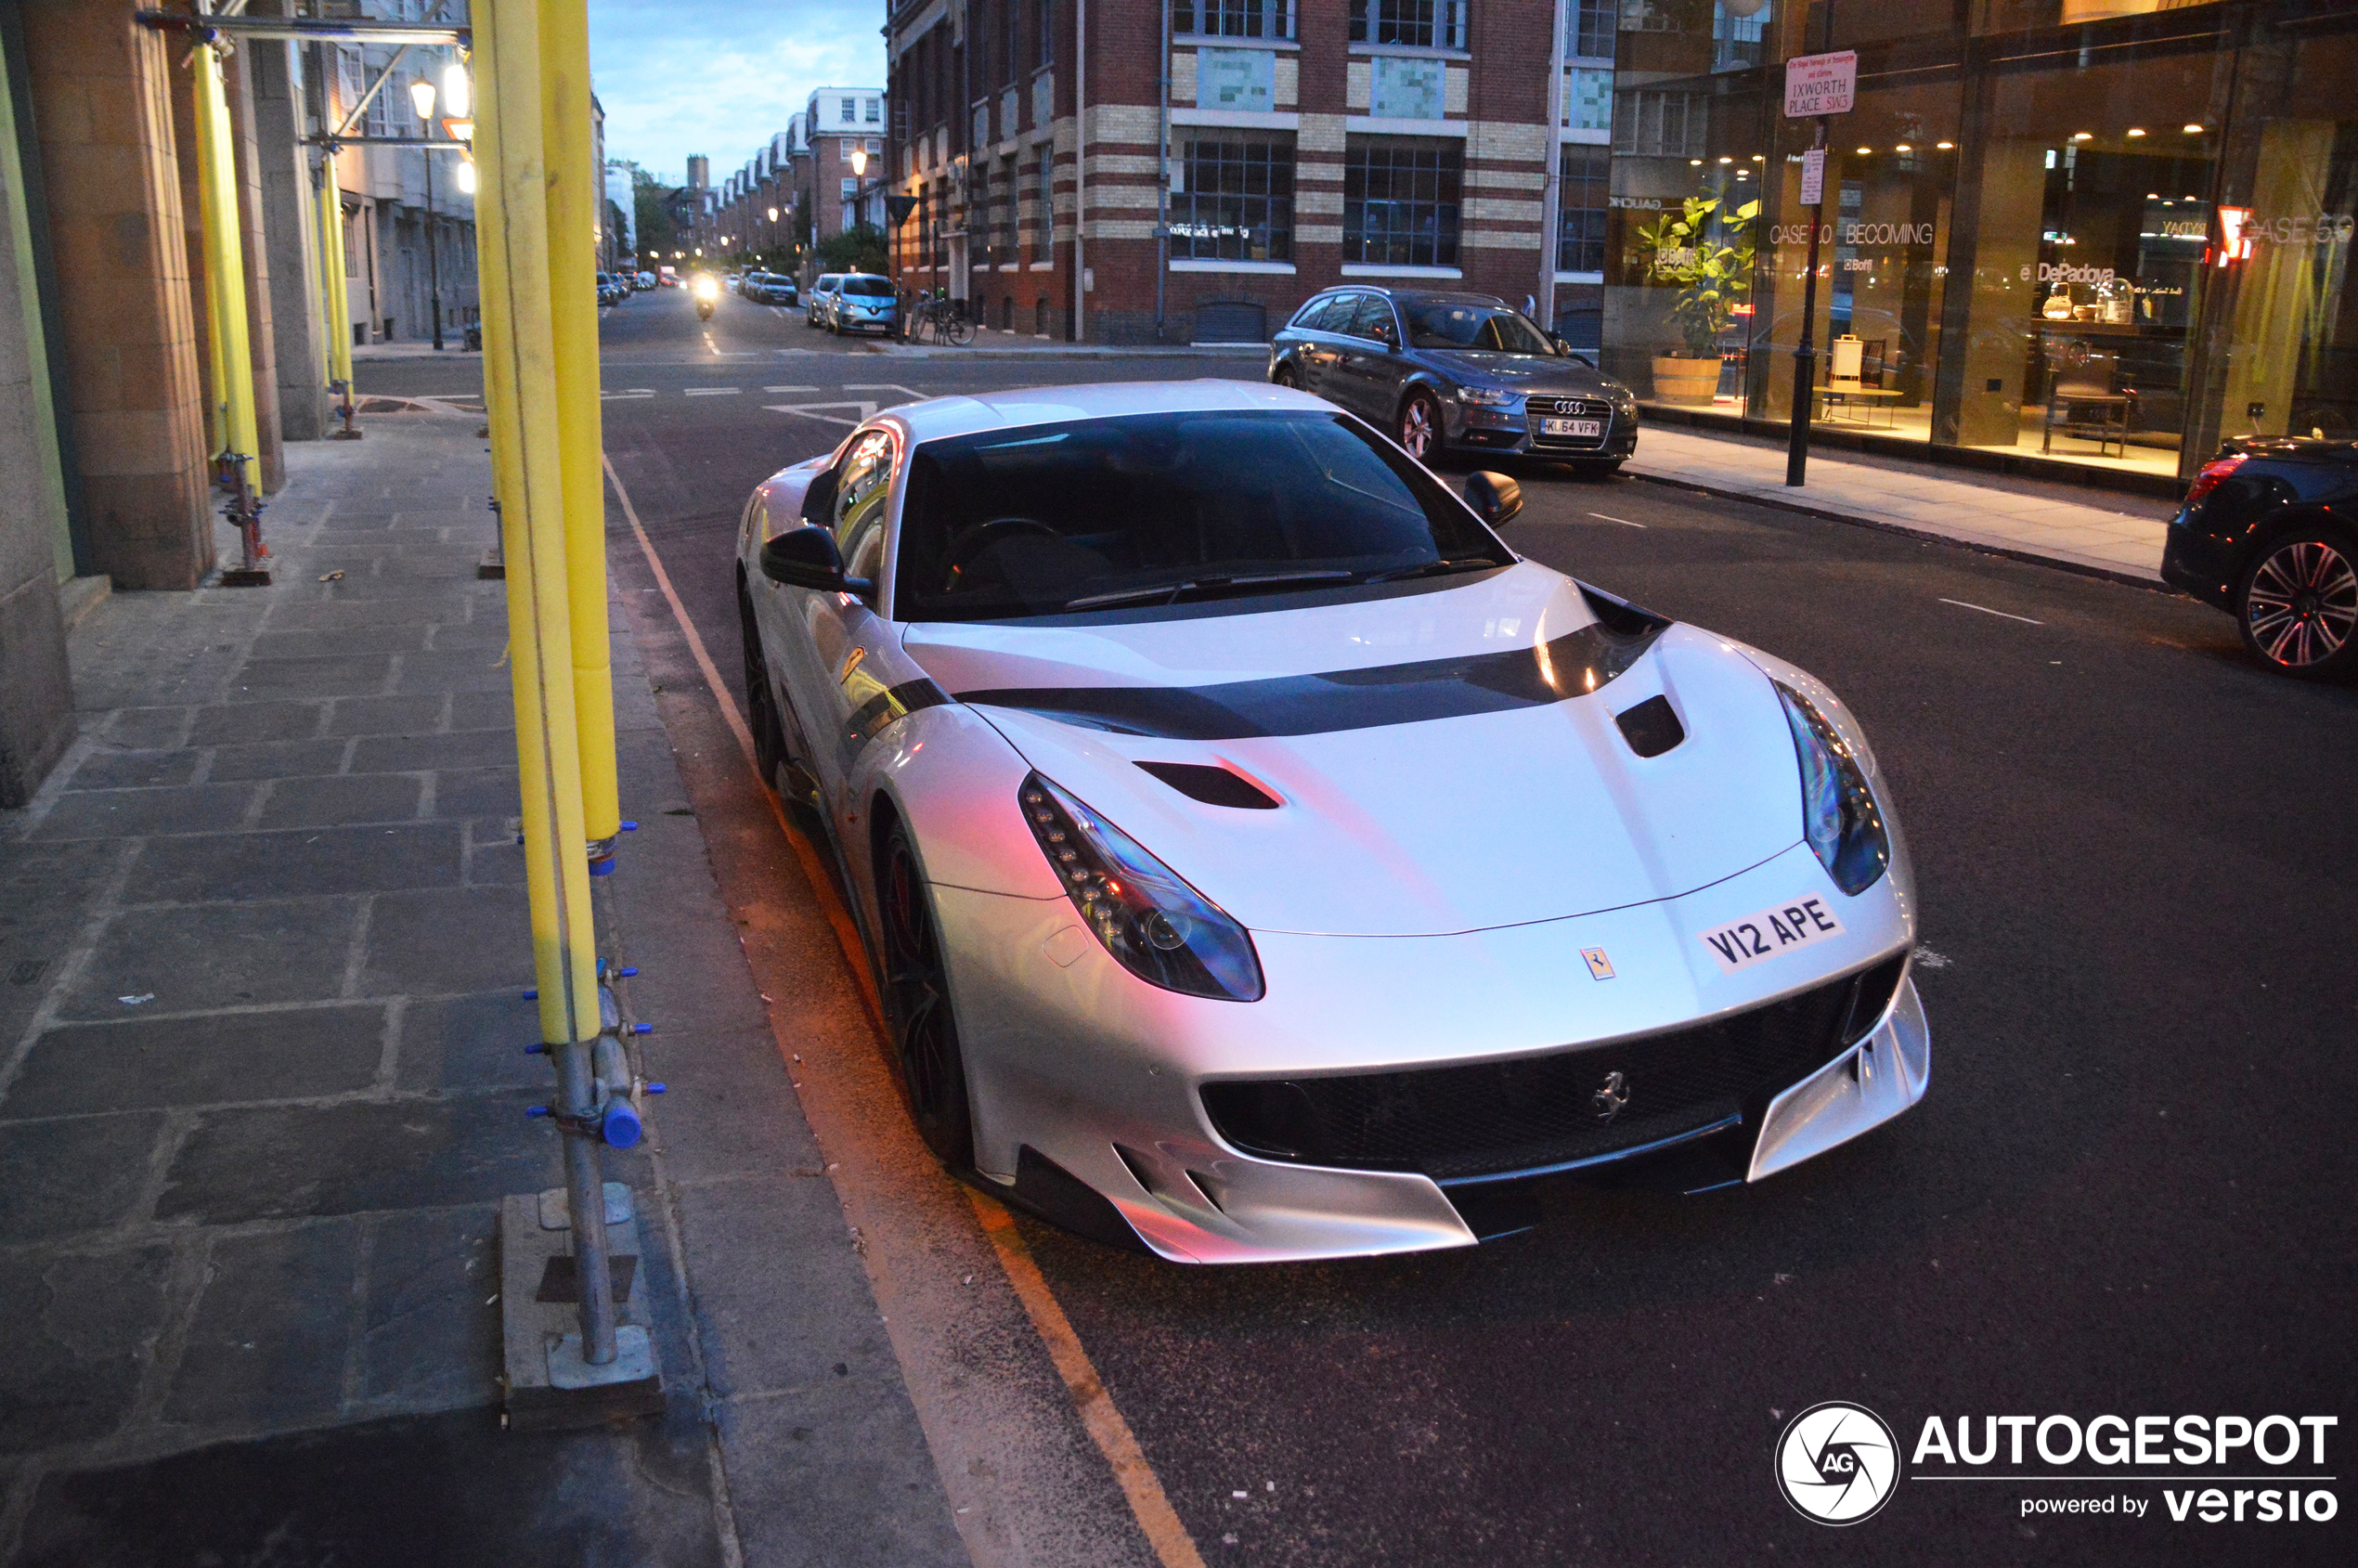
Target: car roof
965 414
1416 296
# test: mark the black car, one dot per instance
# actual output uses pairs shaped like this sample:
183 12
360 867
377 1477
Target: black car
2265 534
1441 370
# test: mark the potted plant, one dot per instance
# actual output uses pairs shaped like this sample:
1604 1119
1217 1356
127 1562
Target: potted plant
1712 277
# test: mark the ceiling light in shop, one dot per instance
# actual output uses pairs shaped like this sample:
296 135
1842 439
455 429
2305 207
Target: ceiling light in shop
1903 146
2153 195
1946 146
1866 151
2083 135
2193 130
2136 131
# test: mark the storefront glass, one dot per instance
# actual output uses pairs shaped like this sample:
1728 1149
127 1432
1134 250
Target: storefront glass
2097 232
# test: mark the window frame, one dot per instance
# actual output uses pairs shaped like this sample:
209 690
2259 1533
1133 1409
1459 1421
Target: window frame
1234 170
1444 246
1268 21
1411 25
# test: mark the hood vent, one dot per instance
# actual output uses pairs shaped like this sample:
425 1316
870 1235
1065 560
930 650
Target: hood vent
1213 786
1651 728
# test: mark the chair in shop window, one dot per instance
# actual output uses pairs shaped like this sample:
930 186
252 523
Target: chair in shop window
2083 403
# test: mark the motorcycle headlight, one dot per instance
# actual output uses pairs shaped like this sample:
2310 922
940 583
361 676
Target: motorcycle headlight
1490 396
1155 925
1838 811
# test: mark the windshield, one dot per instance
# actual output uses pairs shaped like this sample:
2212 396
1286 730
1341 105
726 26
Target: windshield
876 286
1156 508
1458 324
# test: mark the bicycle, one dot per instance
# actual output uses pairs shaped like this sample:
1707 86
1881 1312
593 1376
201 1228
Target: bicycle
945 319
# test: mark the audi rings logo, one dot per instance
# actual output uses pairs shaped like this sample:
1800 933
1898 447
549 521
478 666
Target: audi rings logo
1837 1463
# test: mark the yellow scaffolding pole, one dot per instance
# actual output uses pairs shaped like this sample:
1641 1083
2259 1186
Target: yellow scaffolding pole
574 193
335 297
227 346
520 388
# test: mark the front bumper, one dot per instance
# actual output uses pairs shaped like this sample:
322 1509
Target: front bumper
1070 1058
1477 428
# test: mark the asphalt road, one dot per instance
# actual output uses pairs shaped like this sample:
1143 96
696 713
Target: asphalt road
2128 1191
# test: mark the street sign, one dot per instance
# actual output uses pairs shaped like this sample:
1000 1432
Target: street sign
1820 83
1813 177
898 209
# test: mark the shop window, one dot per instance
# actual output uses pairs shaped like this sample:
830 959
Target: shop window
1661 123
1419 24
1581 210
1232 196
1400 201
1233 19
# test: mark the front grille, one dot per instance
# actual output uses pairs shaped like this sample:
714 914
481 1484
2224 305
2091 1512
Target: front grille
1569 408
1532 1113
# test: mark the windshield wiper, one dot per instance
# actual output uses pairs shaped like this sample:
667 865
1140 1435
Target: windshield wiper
1170 593
1433 569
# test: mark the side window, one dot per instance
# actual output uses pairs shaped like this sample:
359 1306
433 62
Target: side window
1373 320
864 483
1334 315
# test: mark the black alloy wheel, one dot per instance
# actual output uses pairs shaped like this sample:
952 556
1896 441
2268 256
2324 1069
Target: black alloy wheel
933 1072
1420 427
762 708
1284 376
2296 606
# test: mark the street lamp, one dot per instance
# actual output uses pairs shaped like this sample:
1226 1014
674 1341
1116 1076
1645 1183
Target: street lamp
458 93
422 99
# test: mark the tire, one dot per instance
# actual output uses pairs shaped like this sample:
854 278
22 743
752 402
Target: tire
1284 376
762 708
2296 606
916 994
1418 427
962 330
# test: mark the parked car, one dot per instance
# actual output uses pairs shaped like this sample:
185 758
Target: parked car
2265 535
1240 885
814 311
646 280
610 289
1442 370
864 303
770 288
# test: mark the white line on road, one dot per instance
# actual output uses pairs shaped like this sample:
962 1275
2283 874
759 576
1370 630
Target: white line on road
631 392
789 389
1988 611
1623 521
710 391
884 386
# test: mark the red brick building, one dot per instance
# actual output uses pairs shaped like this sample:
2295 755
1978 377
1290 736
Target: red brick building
1076 178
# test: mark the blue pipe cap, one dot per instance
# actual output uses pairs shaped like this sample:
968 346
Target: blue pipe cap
621 1126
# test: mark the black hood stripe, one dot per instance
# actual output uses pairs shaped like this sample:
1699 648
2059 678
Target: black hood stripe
1571 665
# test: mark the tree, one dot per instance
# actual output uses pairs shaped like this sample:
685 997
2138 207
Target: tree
860 249
651 223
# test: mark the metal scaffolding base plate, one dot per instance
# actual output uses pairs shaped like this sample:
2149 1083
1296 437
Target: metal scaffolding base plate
549 1386
242 577
492 565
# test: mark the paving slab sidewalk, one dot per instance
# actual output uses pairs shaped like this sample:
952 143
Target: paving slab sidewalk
2105 535
262 1087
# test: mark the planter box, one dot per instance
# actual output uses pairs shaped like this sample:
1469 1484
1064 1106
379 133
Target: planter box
1678 379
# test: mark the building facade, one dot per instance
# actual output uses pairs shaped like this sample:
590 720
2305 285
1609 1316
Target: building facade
1080 172
2092 234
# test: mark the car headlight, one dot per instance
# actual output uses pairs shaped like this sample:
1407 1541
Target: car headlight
1838 811
1490 396
1155 925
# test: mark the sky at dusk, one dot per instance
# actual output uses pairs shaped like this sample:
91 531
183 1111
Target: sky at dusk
719 77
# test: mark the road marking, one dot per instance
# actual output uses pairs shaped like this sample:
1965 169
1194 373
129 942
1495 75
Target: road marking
1988 611
1098 1413
887 386
1149 1505
632 391
789 389
1623 521
810 410
710 391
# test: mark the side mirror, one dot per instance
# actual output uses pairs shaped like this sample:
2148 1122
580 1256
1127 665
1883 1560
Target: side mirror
807 557
1495 498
